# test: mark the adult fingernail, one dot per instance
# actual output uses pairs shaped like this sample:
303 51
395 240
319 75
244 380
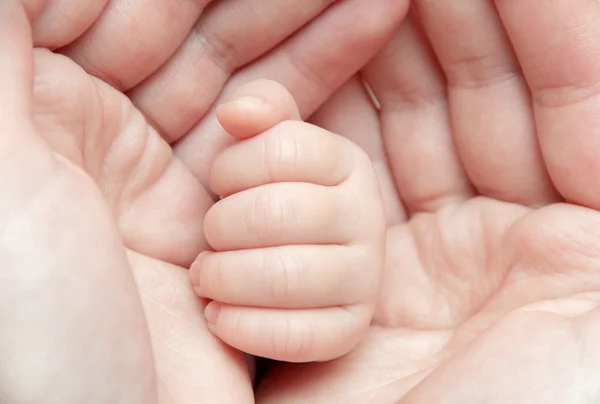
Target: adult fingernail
211 312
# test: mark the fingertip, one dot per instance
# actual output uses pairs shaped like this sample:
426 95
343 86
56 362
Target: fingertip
214 232
255 107
211 227
211 314
195 269
248 116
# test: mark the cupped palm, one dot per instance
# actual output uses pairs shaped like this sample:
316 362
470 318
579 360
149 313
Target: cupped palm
486 142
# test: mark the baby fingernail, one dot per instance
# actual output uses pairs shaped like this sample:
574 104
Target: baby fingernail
242 102
196 268
211 312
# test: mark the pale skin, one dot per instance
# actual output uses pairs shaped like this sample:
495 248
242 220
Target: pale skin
176 59
486 145
152 199
298 234
545 314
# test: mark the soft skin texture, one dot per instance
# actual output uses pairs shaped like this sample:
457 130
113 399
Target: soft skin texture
298 234
486 145
178 59
499 285
156 203
87 316
51 302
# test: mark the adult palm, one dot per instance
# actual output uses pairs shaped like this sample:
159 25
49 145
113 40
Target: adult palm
85 182
486 142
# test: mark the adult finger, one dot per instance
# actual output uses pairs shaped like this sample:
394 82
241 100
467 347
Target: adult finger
19 144
311 65
230 34
408 84
364 130
16 66
63 21
131 39
490 108
557 44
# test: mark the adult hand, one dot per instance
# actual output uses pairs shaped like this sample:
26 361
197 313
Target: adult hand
487 144
92 197
176 59
157 204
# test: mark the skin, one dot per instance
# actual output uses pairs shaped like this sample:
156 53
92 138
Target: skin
176 84
177 60
545 314
145 210
79 164
487 153
46 194
298 234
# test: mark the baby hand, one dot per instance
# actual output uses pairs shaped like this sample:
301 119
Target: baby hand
298 234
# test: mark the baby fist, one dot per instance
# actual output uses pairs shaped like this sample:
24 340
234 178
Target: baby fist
298 235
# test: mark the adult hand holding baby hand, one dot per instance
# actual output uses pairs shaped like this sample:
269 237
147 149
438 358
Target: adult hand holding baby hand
488 269
177 59
486 145
147 194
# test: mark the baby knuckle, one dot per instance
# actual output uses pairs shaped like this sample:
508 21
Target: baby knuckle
281 154
269 214
211 274
281 272
304 342
292 340
238 327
